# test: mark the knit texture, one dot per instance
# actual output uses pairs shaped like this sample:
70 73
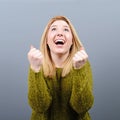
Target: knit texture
61 98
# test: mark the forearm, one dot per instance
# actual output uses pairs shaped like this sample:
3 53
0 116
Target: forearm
82 95
39 97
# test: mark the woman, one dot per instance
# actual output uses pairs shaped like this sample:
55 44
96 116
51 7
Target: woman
60 78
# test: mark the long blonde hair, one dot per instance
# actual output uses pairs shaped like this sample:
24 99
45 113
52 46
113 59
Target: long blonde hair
48 65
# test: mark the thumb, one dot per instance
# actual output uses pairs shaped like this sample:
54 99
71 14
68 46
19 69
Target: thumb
82 48
32 47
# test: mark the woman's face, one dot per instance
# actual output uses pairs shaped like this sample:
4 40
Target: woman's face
59 38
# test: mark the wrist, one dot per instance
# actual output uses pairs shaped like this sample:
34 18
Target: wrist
35 69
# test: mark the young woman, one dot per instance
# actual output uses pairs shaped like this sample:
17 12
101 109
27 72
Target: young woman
60 84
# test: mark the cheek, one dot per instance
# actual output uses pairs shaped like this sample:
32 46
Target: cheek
51 34
69 37
49 38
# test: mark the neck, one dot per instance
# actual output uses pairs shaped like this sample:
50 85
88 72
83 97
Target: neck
59 59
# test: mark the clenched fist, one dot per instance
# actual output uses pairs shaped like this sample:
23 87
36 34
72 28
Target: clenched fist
35 58
80 59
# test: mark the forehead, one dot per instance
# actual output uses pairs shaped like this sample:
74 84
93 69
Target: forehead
59 23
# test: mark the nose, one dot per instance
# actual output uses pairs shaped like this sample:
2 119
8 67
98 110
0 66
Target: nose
59 34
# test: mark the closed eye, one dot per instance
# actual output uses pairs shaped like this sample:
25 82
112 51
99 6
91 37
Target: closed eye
66 29
53 29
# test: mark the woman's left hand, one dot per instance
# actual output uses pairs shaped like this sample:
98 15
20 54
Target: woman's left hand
80 59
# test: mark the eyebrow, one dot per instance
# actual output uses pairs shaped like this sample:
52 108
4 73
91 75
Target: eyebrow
63 26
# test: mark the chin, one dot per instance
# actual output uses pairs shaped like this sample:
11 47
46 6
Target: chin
59 52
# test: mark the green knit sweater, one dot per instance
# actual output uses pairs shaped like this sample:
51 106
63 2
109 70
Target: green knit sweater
61 98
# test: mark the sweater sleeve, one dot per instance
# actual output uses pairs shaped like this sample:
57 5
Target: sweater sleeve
39 97
82 89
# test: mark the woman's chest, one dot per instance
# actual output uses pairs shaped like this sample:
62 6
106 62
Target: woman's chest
60 88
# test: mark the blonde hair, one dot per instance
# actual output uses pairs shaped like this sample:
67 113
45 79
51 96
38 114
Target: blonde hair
48 65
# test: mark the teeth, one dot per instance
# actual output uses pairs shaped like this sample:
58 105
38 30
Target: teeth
59 40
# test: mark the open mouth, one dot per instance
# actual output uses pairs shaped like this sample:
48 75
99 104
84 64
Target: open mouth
59 42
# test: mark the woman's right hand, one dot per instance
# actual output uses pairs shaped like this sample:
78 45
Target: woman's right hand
35 58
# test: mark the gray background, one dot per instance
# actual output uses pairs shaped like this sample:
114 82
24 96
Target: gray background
98 25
